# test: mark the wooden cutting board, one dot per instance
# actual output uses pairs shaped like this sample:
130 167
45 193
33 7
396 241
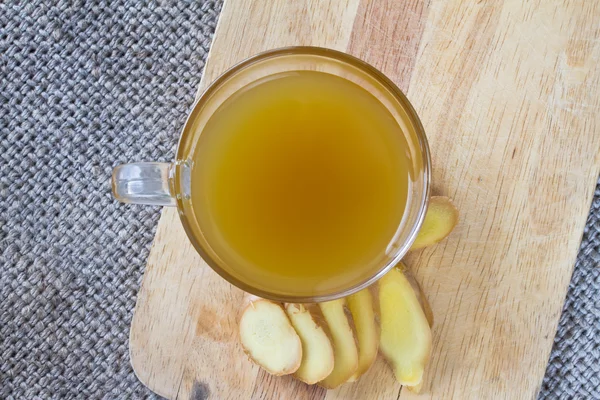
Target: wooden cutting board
508 92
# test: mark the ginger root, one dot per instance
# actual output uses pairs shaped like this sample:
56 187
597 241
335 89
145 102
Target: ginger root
440 220
269 339
344 345
425 306
317 352
361 307
426 309
416 389
405 339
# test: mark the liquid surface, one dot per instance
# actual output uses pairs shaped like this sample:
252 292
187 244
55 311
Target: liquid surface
300 183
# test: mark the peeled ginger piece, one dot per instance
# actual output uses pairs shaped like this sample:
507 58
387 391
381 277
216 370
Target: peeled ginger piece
416 389
425 306
269 339
405 339
317 352
361 307
345 353
440 220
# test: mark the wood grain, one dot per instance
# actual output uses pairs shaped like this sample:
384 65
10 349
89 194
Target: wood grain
508 92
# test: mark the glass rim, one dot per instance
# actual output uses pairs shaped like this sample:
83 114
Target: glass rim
398 95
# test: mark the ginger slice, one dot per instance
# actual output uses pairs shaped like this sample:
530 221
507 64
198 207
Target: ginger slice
269 339
418 292
317 352
405 332
416 389
344 345
426 309
361 307
440 220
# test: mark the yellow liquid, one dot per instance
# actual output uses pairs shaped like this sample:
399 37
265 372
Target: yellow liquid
300 182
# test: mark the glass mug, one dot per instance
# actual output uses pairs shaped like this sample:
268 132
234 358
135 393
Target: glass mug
169 184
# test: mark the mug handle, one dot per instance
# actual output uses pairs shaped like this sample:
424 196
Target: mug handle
144 183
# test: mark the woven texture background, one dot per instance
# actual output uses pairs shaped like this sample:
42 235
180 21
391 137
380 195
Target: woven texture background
84 86
574 367
87 85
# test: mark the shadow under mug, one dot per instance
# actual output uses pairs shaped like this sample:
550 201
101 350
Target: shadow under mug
169 184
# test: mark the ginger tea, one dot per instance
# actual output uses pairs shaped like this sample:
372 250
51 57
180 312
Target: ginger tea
301 180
